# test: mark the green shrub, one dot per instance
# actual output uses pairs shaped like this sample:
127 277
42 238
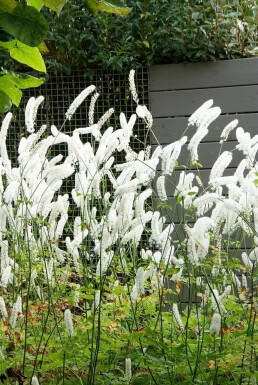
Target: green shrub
155 32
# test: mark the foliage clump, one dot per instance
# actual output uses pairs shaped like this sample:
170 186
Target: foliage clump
154 32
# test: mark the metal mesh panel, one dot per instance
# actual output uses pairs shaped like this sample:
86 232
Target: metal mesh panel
60 91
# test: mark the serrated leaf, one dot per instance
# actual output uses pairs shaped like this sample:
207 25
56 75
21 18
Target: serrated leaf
5 102
26 24
55 5
10 89
25 54
38 4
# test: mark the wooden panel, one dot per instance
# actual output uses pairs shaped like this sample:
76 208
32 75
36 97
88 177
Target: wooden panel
204 75
208 154
168 130
184 103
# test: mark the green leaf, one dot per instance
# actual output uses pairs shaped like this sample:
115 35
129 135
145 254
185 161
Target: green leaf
26 24
7 5
112 6
23 81
38 4
10 89
24 54
5 102
55 5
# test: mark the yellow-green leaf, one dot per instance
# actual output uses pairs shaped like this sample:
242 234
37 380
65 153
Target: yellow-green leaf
55 5
38 4
114 6
5 102
111 6
25 54
43 48
11 90
8 5
24 81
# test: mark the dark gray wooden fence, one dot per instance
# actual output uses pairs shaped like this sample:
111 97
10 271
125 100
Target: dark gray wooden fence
177 90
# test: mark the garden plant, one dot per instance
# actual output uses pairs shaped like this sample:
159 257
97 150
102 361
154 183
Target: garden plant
98 285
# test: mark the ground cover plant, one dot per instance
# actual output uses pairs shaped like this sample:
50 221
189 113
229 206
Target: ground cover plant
93 279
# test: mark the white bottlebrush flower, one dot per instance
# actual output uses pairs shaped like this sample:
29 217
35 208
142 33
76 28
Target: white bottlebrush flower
128 369
215 324
92 108
68 322
232 205
104 262
195 141
161 189
210 115
132 86
200 112
177 316
254 255
247 262
96 303
6 276
148 117
220 165
105 117
31 112
226 131
138 288
78 101
3 308
216 302
140 111
205 202
244 282
34 381
14 314
223 181
225 293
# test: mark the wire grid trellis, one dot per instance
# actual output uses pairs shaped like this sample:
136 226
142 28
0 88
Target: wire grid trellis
60 91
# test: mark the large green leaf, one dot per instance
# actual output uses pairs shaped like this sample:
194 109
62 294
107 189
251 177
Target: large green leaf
23 81
5 102
9 88
38 4
55 5
24 54
111 6
26 24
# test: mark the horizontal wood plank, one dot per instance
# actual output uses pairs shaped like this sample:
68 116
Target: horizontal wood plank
204 75
204 175
168 130
184 103
208 154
